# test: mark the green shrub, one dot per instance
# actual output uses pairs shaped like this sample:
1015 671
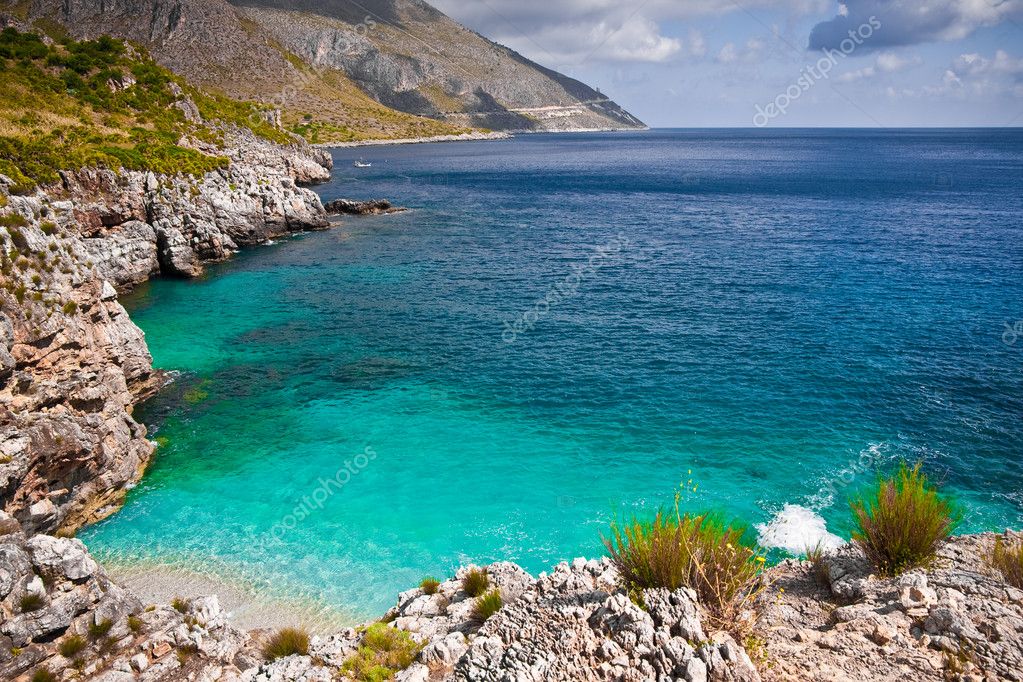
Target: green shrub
100 629
135 624
287 642
44 675
699 552
48 227
902 521
475 582
13 220
70 308
179 604
31 602
72 646
384 652
430 585
486 606
1008 559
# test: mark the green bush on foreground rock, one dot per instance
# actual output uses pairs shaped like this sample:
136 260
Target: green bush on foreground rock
287 642
31 602
44 675
902 521
430 585
72 646
475 582
1007 558
486 605
699 552
384 652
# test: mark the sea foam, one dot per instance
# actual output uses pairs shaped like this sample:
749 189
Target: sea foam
796 529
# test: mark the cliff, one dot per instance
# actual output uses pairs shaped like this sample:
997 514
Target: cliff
73 364
343 71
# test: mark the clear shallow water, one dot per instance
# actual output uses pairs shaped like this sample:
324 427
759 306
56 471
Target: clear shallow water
783 304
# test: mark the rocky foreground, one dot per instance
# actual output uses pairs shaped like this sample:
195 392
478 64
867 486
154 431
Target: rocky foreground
956 621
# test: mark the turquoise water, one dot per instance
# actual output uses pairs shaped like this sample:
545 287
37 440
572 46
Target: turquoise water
769 309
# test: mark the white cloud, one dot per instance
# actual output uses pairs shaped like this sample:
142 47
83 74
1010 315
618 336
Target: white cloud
636 40
573 31
884 63
751 52
973 74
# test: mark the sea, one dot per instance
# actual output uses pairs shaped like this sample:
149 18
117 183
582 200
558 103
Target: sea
567 330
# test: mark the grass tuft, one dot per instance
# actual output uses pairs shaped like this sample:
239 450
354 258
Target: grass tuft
384 652
821 573
100 629
429 585
44 675
1008 560
476 582
136 625
287 642
31 602
486 606
703 553
901 523
179 604
72 646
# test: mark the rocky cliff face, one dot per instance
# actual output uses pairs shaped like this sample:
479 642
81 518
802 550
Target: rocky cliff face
72 364
413 58
343 71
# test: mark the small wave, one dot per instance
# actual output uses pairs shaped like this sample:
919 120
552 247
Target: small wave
796 529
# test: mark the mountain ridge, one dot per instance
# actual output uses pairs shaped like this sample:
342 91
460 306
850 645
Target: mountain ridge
342 70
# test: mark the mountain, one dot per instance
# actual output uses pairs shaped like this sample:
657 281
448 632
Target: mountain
342 69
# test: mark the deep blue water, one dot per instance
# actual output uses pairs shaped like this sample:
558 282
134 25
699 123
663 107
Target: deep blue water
769 309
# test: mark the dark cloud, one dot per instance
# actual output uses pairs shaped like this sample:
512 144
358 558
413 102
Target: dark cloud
908 22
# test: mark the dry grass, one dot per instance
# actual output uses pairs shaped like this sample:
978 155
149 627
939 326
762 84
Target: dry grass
486 605
902 521
699 552
475 582
1007 558
287 642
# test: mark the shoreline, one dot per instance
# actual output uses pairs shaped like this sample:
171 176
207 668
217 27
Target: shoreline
464 137
469 137
248 606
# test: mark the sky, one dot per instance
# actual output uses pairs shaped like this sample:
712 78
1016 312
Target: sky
777 63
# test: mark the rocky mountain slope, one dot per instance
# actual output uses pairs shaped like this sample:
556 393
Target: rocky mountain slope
411 57
342 70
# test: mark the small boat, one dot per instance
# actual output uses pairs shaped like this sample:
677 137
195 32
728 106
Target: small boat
361 163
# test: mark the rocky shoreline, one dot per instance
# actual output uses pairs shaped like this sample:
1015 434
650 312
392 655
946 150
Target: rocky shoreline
73 365
463 137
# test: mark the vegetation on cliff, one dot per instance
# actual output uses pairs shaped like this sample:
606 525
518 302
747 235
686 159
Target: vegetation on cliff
102 103
903 520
